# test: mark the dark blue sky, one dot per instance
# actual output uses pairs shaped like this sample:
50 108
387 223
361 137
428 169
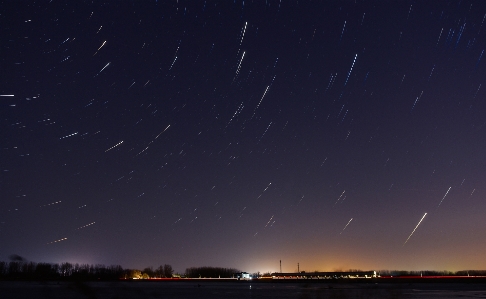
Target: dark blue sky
238 134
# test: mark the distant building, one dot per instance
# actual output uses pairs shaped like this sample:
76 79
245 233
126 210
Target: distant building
242 275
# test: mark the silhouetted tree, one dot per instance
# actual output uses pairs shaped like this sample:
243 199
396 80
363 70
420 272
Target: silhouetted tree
168 271
149 271
45 271
29 269
211 272
66 269
20 268
159 272
3 269
14 268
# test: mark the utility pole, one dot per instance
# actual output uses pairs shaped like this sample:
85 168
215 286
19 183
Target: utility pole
298 268
280 266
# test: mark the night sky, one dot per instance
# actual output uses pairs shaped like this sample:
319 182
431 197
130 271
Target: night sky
333 134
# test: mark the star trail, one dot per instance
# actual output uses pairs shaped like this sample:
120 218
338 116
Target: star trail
238 134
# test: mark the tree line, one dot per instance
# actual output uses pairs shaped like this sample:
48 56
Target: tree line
27 270
432 273
210 272
164 271
20 269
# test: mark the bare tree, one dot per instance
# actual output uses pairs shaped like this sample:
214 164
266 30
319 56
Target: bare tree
159 272
168 270
149 271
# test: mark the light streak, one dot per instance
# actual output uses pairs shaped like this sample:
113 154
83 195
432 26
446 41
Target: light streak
148 145
418 98
63 239
260 101
342 32
414 229
236 112
114 146
105 67
264 191
269 221
346 225
349 73
69 135
440 34
162 132
265 131
243 35
99 48
86 225
444 197
101 45
339 198
50 204
239 65
173 63
477 63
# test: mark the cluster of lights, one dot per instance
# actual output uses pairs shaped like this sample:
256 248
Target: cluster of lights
86 225
50 204
56 241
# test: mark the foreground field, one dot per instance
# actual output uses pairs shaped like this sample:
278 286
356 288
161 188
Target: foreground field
247 289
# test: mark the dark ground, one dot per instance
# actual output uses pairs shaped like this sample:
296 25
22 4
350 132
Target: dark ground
247 289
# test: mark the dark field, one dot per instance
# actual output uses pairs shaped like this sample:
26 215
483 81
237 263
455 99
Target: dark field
242 289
